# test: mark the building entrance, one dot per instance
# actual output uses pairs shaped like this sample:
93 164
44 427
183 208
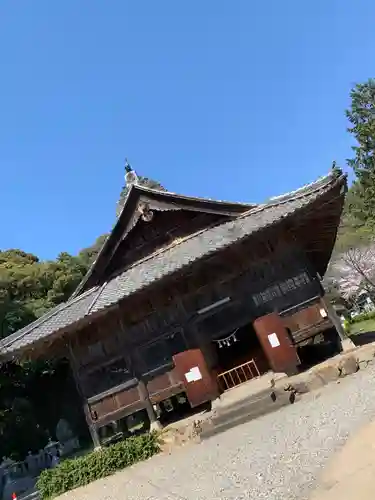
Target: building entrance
239 357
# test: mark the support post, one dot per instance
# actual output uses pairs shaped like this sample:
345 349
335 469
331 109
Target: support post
154 422
91 426
155 425
346 343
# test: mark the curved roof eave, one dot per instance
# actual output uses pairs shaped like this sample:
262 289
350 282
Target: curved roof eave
168 261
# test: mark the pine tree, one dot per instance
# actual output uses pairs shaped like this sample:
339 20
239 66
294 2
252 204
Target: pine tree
361 116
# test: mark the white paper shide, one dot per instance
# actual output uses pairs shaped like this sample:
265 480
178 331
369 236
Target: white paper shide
273 339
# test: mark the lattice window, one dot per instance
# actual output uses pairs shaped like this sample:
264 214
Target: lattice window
159 353
106 377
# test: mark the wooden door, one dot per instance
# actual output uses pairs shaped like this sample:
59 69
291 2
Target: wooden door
276 343
199 383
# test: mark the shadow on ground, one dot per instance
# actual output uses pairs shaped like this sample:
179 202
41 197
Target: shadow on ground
184 412
313 354
363 338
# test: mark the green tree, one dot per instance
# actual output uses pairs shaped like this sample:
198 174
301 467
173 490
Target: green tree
352 231
17 415
89 254
29 288
361 116
33 397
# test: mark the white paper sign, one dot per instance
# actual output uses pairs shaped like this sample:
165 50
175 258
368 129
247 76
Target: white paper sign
273 340
323 313
193 374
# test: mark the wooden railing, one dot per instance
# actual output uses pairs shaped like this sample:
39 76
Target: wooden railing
238 375
311 330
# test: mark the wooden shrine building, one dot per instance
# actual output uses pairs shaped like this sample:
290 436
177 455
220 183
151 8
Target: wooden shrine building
190 297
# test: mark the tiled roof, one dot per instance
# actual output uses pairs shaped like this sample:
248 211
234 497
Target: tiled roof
166 262
130 214
51 322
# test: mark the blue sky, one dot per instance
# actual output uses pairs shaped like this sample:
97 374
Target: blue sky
233 100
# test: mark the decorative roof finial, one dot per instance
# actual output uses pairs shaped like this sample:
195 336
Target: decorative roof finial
336 170
127 166
131 176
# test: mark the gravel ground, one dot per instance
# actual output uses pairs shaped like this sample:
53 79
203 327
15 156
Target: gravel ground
276 457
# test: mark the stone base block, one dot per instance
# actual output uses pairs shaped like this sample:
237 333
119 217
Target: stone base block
348 366
347 345
156 426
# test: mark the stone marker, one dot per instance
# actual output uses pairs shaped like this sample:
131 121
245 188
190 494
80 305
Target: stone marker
66 438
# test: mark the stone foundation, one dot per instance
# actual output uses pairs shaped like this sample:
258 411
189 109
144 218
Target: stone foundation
331 370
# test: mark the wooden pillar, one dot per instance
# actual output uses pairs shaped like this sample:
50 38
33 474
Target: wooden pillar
276 344
154 422
142 387
90 424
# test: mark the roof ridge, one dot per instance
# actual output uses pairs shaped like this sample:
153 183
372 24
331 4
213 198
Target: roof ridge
139 190
313 195
299 193
95 298
188 197
299 190
254 210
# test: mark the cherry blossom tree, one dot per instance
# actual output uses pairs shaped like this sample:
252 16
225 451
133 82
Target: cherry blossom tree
354 271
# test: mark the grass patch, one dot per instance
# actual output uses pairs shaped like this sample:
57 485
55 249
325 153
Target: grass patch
367 325
80 471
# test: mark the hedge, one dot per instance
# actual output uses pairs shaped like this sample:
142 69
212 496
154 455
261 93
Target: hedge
363 317
70 474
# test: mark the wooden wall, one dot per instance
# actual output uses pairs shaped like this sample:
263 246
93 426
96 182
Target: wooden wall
165 227
259 278
306 322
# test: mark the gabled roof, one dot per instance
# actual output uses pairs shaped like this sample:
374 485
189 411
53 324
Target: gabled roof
170 260
160 200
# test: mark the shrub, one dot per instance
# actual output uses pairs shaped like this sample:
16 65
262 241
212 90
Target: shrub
70 474
363 317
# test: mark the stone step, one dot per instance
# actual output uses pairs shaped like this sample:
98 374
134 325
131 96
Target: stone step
223 407
29 496
250 409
